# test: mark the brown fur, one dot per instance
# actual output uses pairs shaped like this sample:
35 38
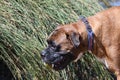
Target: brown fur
106 27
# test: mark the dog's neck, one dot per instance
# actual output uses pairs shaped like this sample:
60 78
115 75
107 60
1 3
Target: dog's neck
98 49
90 33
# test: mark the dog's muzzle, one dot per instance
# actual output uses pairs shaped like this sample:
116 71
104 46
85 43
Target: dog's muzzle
56 58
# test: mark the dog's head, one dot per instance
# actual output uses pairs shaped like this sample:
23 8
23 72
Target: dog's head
63 47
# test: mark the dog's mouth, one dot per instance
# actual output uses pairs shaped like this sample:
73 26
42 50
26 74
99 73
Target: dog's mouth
63 61
58 61
55 57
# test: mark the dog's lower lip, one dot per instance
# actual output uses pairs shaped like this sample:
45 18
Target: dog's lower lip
60 61
57 67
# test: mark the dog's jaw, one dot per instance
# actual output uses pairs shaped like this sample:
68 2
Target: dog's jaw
60 62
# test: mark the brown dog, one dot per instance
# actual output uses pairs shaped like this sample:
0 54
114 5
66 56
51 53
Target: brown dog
69 42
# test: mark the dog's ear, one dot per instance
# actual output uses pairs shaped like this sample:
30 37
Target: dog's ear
74 38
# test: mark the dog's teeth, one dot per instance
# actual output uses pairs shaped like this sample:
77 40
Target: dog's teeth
48 66
52 65
44 63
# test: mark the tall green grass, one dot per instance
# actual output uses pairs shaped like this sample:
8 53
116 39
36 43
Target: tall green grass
24 27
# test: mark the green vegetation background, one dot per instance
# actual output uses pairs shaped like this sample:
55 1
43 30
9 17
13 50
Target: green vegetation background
24 27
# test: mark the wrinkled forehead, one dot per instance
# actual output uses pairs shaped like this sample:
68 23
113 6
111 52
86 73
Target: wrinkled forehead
57 36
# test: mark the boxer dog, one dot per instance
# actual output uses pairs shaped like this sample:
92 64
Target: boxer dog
99 34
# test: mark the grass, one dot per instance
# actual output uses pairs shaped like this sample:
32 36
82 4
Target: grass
24 27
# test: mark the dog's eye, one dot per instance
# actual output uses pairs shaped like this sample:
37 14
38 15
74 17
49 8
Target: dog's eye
51 43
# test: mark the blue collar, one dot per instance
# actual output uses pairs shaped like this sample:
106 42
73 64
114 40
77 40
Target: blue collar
90 33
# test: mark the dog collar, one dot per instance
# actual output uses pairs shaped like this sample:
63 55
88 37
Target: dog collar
90 33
